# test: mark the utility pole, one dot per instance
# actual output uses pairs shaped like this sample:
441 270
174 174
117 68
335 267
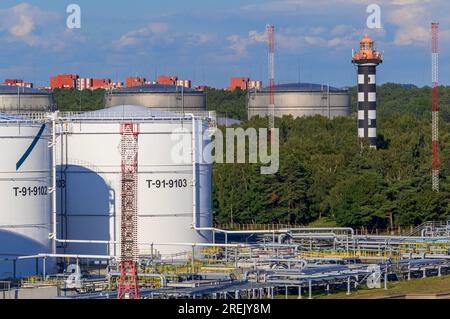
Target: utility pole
271 68
435 165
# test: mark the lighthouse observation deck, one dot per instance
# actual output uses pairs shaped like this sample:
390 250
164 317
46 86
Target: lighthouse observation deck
367 52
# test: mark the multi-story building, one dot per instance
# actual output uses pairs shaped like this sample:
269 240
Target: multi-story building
135 81
244 83
11 82
201 87
84 83
168 80
239 82
18 82
67 81
101 83
184 83
116 85
93 84
254 84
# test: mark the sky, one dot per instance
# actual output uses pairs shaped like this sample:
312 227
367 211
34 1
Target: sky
210 41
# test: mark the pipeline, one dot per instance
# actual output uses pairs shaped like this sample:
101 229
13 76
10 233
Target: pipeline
162 277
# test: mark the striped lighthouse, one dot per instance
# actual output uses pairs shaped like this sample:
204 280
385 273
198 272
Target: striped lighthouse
367 60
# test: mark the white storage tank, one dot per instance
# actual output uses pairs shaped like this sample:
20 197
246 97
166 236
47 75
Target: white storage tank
25 205
89 179
300 99
14 99
159 96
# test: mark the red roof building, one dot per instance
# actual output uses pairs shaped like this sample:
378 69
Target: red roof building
101 83
67 81
239 82
168 80
18 82
135 81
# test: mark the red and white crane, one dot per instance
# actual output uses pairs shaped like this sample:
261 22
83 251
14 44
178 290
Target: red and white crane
435 106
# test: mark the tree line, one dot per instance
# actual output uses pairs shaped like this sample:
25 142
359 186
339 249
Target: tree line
75 100
324 173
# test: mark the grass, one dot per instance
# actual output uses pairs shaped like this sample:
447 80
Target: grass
323 222
432 285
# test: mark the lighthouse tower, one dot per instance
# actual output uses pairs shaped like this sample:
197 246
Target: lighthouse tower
367 60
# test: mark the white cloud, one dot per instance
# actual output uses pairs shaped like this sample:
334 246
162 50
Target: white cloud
137 36
295 39
318 6
295 6
21 21
342 29
24 27
411 19
409 25
406 22
157 34
239 43
254 36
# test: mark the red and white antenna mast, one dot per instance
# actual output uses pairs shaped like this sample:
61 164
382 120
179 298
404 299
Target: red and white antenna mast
271 67
435 106
128 282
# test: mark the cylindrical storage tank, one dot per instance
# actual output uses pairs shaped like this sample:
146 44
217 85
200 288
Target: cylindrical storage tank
25 206
170 196
300 99
159 96
14 99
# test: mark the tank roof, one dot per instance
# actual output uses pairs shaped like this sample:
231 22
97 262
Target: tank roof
13 118
303 87
127 112
12 89
156 88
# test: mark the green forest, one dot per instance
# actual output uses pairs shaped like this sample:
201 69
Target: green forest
323 172
232 104
75 100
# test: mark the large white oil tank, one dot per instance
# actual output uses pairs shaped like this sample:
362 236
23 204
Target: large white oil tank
300 99
159 96
25 200
89 179
14 99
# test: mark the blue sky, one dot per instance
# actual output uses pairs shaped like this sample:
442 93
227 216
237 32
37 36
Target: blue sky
210 41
